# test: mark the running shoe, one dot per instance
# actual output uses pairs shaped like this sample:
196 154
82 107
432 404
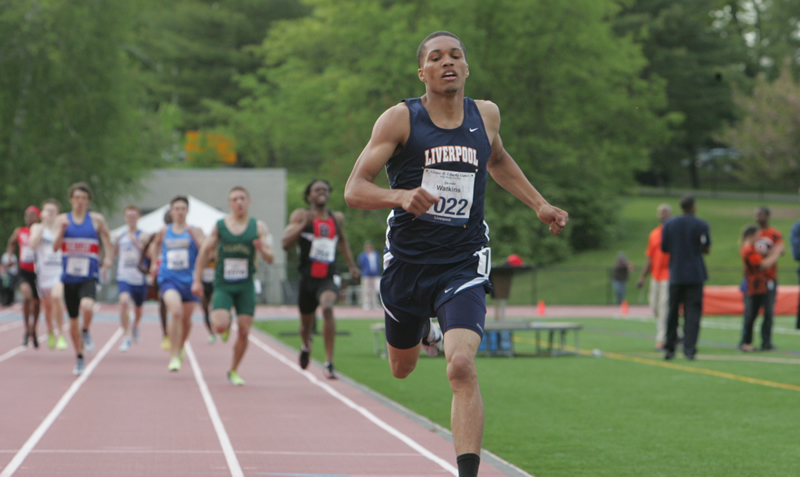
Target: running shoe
35 340
328 371
212 338
432 340
78 367
225 335
235 379
51 340
174 364
25 339
61 343
165 345
126 345
88 344
135 333
304 355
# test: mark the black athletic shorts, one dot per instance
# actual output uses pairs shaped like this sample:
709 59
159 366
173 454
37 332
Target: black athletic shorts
75 292
310 291
30 279
455 293
208 289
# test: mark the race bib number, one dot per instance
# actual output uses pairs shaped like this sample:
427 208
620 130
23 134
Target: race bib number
130 259
78 266
208 275
323 249
26 255
455 192
177 259
234 269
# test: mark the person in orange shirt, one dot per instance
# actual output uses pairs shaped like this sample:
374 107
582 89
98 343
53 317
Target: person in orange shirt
769 239
758 286
658 267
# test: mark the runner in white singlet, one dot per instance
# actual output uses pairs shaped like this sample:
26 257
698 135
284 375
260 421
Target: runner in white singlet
48 274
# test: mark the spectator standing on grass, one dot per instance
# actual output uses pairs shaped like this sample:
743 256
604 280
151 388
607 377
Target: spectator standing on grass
768 239
794 238
369 263
686 239
758 260
619 276
658 267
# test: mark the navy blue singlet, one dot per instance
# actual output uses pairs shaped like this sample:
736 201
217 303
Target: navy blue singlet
451 164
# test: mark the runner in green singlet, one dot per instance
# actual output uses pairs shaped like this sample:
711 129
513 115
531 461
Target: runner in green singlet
237 238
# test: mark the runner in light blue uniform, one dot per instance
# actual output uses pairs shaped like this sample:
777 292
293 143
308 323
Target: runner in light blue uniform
177 244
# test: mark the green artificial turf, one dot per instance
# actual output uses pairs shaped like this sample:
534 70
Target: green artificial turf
625 413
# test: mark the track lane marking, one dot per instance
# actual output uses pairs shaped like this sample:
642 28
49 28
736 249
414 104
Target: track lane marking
349 403
40 431
213 413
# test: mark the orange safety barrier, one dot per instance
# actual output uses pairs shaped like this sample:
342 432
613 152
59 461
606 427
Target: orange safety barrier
729 300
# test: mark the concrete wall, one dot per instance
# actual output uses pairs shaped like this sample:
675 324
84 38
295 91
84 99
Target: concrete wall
267 189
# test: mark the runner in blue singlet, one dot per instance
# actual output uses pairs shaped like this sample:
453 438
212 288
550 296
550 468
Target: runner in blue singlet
177 245
437 151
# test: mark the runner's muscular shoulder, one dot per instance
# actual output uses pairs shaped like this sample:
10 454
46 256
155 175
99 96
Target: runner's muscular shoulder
490 114
389 135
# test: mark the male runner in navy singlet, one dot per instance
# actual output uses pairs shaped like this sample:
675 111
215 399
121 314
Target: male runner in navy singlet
438 150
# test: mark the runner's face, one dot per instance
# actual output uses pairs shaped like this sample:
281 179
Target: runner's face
444 67
319 194
238 202
79 201
179 211
131 217
49 213
31 218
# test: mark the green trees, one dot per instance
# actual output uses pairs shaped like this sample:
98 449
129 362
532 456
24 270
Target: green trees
576 114
768 136
68 104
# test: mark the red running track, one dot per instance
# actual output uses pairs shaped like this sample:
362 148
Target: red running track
127 415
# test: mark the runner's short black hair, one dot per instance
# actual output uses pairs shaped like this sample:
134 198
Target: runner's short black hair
421 51
308 188
82 186
179 198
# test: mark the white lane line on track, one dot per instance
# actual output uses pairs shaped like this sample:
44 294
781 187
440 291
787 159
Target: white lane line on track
40 431
12 353
10 326
222 435
215 451
19 349
361 410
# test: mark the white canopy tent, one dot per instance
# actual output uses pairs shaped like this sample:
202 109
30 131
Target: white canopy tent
200 215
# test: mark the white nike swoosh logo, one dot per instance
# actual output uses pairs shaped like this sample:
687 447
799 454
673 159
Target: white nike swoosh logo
447 290
473 129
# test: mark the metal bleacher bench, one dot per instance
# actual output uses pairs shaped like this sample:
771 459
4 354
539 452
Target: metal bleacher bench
506 329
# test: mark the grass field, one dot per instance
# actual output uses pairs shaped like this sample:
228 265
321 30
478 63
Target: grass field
625 413
726 217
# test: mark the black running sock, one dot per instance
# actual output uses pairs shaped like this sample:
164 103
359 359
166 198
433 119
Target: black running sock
85 330
468 465
80 356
